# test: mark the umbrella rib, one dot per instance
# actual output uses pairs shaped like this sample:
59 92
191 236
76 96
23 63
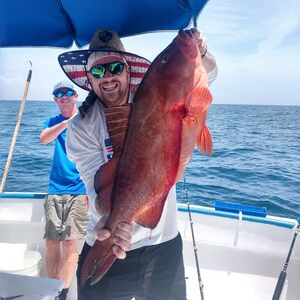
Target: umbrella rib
69 22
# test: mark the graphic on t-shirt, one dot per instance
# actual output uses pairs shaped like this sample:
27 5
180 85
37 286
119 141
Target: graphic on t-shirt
109 148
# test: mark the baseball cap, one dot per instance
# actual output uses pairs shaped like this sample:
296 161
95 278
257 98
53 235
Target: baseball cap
63 85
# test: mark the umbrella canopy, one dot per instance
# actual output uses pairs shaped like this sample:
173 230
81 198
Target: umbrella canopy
59 23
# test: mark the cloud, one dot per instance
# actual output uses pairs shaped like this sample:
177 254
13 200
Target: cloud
256 44
281 25
45 73
245 28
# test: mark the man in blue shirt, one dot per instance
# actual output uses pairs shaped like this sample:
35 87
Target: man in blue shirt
65 206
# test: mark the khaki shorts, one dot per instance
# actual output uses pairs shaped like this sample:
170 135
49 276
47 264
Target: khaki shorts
66 217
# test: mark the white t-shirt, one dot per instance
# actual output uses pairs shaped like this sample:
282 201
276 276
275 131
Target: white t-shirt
87 145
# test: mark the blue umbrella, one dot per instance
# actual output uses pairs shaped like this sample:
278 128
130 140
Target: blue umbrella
59 23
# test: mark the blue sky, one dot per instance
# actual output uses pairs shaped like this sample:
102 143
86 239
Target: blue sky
256 44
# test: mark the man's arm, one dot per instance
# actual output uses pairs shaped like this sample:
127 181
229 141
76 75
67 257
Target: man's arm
48 135
208 60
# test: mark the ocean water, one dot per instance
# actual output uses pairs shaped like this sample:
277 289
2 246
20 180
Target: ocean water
256 156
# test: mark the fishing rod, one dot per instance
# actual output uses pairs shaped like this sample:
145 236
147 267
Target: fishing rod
194 242
13 143
282 276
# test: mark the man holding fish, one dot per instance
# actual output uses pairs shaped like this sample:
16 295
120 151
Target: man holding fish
131 143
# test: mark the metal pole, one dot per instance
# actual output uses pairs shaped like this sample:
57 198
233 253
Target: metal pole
13 143
282 276
194 244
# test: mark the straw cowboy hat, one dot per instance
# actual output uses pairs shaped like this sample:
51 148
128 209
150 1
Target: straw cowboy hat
76 63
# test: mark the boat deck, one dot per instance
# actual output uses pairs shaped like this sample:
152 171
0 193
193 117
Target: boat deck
240 257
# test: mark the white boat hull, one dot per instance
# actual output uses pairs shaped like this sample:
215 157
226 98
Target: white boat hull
240 256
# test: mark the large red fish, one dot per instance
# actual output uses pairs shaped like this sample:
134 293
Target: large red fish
167 121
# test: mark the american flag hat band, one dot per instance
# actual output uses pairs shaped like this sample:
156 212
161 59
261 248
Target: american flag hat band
74 65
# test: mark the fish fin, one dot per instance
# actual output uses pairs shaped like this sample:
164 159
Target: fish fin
117 119
151 216
103 182
117 122
204 142
198 101
98 261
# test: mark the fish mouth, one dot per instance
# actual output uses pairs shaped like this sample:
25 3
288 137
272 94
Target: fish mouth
187 32
186 43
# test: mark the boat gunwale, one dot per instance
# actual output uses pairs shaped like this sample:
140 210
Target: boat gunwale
269 219
198 209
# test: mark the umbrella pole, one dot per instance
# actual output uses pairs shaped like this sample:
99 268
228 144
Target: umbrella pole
13 143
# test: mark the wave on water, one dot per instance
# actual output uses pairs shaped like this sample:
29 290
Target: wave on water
255 161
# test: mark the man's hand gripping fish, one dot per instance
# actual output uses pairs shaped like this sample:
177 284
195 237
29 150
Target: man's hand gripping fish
166 122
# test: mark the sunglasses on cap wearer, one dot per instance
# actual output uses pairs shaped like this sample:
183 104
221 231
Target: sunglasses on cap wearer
115 68
68 93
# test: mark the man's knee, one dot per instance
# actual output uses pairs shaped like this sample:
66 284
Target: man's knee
52 243
70 246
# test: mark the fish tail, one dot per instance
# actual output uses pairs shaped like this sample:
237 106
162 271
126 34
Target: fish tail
98 261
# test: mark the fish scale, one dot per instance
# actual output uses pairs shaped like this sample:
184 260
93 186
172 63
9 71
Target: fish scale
166 122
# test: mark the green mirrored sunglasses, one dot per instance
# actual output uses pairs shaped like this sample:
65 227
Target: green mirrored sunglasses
115 68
